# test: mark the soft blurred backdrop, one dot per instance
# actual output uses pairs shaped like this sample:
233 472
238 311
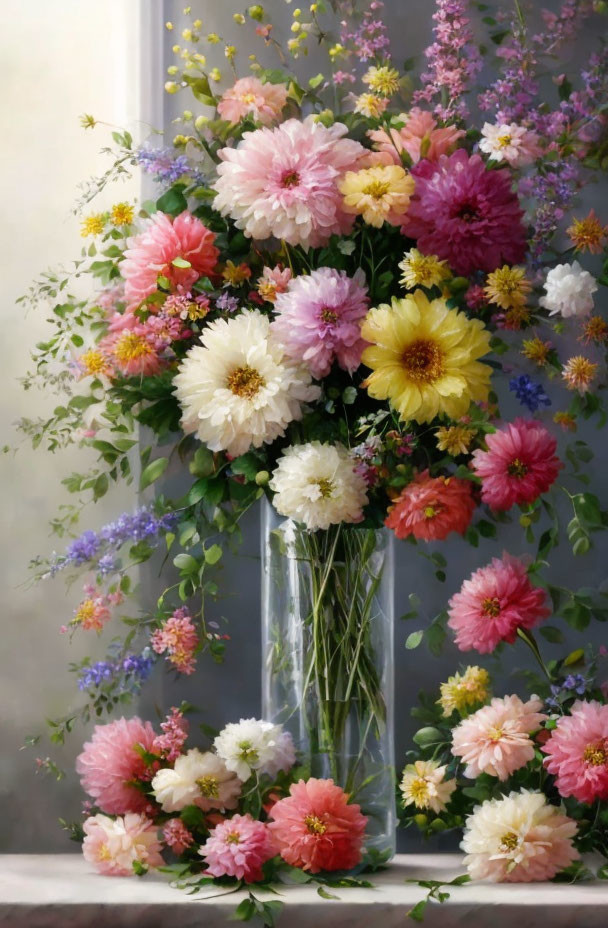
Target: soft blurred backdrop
108 59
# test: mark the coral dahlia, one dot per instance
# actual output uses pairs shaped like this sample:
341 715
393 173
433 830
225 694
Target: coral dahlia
419 138
577 752
430 508
466 214
250 97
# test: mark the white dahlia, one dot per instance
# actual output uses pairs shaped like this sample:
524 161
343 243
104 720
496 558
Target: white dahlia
237 388
569 290
318 485
253 744
519 838
424 785
196 779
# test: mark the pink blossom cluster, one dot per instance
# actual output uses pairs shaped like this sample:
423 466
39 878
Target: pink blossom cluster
175 733
370 39
178 640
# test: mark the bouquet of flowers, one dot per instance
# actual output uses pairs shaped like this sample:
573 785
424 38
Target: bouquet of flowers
337 286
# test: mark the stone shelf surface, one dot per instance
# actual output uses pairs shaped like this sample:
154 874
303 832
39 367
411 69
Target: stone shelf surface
61 891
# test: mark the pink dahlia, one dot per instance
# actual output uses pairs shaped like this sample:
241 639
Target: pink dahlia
466 214
153 252
432 507
316 828
496 739
178 639
114 846
318 320
577 752
493 603
250 97
420 137
177 836
110 762
238 846
518 466
131 351
283 182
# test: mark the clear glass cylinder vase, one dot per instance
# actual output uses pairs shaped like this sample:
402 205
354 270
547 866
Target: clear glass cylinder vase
327 640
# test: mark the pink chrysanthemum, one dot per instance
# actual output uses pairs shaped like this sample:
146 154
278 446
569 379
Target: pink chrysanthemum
318 320
466 214
577 752
110 761
496 739
420 137
283 182
250 97
238 847
131 350
174 736
113 846
518 466
316 828
493 603
153 252
179 640
177 836
431 507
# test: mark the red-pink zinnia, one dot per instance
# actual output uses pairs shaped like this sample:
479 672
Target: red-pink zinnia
577 752
430 508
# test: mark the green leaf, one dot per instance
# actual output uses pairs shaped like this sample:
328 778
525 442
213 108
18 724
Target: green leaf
244 912
552 634
186 563
202 464
152 472
213 554
349 395
417 913
325 894
413 640
181 262
574 657
428 735
247 465
173 201
316 81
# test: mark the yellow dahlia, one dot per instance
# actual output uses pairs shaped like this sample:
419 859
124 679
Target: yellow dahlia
384 80
536 350
424 357
422 270
370 105
380 194
455 439
507 287
122 214
465 691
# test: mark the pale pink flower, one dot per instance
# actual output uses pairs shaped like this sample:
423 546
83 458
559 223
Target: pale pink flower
283 182
113 846
316 828
420 137
164 244
110 761
514 144
318 320
577 752
493 604
179 640
519 465
108 298
177 836
250 97
496 739
238 847
518 838
274 280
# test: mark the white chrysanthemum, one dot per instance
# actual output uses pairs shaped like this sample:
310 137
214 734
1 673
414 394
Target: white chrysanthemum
253 744
569 290
424 785
511 143
318 485
196 779
519 838
237 388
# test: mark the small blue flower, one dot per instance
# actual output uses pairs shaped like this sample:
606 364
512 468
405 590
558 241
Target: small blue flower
530 394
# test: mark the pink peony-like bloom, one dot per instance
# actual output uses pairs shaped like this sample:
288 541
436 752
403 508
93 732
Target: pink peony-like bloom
113 846
496 739
518 466
110 761
274 280
316 828
174 736
283 182
466 214
250 97
238 847
493 603
431 507
179 640
577 752
153 252
420 137
318 320
177 836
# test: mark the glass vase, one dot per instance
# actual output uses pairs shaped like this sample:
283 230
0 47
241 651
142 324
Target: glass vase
327 645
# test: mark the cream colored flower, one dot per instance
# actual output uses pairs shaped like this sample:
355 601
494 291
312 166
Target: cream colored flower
379 194
425 787
196 779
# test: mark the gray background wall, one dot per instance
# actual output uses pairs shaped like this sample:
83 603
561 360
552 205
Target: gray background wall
33 660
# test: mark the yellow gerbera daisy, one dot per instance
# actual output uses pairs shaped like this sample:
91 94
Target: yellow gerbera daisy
422 270
379 194
424 357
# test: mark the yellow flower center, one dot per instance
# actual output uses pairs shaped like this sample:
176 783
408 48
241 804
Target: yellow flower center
517 468
248 753
93 362
248 97
423 361
233 838
104 853
328 315
86 611
509 841
245 382
326 487
491 606
596 754
504 141
315 825
419 791
376 189
130 347
209 787
495 734
431 511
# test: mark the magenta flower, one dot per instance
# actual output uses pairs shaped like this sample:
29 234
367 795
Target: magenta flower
577 752
238 847
318 320
466 214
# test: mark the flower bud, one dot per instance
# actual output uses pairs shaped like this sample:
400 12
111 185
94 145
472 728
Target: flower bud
171 87
256 12
262 477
